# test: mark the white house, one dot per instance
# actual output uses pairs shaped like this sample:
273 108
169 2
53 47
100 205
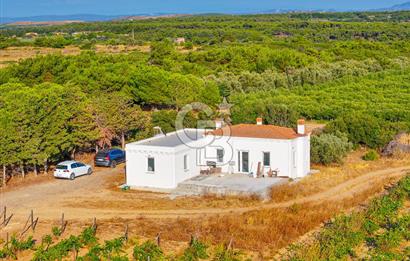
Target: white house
166 160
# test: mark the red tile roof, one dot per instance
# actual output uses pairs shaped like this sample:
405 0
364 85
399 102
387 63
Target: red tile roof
257 131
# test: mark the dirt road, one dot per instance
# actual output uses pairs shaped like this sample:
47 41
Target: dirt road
77 199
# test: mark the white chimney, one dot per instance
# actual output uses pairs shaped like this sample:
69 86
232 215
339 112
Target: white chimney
218 124
259 121
301 127
158 132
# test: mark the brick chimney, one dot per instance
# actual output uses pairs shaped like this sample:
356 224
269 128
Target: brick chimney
259 121
301 127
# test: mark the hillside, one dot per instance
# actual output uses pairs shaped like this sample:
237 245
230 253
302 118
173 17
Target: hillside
56 18
400 7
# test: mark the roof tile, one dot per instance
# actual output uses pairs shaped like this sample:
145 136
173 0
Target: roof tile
257 131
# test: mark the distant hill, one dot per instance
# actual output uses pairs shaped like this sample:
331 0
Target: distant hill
64 19
399 7
56 18
46 22
152 16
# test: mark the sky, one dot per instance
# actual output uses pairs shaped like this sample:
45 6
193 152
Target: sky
21 8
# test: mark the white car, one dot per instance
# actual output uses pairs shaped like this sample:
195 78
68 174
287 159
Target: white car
71 170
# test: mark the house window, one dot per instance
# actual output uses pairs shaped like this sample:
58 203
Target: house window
266 159
185 162
151 164
239 161
220 155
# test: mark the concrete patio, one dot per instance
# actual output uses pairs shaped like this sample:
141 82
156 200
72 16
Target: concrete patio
228 184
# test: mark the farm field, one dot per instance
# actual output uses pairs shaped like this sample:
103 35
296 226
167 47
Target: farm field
11 55
378 232
147 214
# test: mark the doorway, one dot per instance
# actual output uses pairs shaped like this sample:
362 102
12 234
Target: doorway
243 161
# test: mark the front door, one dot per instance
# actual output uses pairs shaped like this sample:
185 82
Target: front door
244 162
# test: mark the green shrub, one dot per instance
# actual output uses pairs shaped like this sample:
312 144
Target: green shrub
371 155
223 254
404 226
386 256
59 250
196 250
113 247
329 148
64 247
370 226
56 231
148 249
386 241
94 253
363 129
340 238
88 236
15 245
275 114
19 245
382 210
47 240
189 46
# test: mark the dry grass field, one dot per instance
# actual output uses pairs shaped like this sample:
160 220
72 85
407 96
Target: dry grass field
332 176
13 55
258 228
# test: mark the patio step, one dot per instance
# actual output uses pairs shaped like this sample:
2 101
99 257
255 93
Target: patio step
191 189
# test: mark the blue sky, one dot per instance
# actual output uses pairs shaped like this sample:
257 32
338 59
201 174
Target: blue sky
17 8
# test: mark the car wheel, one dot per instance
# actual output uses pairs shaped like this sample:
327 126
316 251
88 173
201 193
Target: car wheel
72 176
113 164
89 171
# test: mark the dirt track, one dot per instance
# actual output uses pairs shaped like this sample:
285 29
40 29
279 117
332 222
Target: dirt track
77 198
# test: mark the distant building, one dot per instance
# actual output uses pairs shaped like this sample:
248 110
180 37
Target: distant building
31 35
180 40
59 33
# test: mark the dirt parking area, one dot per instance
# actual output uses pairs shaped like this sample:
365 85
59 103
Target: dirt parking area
99 196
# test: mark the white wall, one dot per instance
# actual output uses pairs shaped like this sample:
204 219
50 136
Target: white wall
193 169
302 147
137 167
169 165
290 157
280 153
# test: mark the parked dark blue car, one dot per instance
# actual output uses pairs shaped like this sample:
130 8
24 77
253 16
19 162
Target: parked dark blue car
109 158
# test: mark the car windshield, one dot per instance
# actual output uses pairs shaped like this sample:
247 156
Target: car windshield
101 154
61 167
